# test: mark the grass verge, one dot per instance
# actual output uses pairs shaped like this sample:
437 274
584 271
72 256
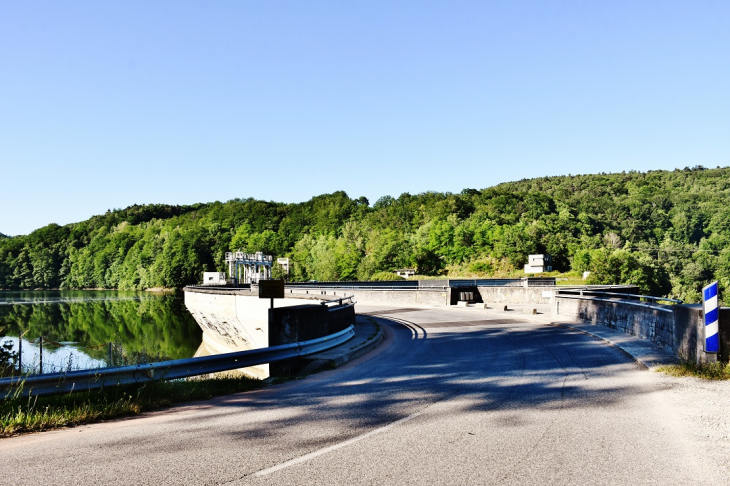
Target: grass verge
36 414
711 371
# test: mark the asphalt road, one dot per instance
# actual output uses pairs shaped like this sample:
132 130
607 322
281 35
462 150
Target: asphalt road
453 396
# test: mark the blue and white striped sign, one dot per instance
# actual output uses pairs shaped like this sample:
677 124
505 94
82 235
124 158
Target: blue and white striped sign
712 315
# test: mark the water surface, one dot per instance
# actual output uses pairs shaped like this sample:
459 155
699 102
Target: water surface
142 327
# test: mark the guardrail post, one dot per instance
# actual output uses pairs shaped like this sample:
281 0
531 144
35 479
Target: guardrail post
20 355
40 358
110 361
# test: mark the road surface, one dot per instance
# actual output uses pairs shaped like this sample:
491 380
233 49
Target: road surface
453 396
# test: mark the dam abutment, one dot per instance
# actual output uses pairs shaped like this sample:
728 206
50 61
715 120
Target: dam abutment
237 320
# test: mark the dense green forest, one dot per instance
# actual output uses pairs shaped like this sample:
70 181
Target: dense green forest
666 231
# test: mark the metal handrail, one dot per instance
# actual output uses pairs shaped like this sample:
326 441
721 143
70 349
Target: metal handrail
625 302
51 384
339 302
346 287
648 297
216 287
589 287
644 305
634 296
309 287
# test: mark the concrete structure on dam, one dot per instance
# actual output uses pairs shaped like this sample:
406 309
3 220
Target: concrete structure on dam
238 320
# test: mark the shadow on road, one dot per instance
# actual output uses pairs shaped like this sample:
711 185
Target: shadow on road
493 365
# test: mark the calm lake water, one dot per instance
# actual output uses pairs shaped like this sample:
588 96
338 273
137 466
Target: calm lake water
143 327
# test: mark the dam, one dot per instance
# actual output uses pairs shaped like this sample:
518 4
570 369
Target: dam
238 320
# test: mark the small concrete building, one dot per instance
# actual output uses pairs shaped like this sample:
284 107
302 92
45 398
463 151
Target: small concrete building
214 278
405 272
284 264
538 263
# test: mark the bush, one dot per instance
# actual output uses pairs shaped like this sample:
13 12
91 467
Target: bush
386 276
8 357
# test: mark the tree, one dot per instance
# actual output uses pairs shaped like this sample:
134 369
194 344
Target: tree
674 225
8 357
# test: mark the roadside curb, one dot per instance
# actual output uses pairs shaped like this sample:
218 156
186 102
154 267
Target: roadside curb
361 349
371 343
649 362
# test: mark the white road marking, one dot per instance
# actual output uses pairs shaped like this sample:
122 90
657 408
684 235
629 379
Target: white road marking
312 455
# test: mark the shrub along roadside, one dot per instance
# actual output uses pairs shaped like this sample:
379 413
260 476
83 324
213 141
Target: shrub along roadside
8 357
35 414
712 371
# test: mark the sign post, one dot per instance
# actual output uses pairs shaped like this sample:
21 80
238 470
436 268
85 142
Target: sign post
711 313
271 289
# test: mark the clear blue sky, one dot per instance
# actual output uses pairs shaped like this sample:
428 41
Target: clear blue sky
107 104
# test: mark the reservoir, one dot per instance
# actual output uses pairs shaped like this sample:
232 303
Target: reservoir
77 327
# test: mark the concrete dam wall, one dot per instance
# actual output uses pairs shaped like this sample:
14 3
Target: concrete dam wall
385 296
237 320
442 292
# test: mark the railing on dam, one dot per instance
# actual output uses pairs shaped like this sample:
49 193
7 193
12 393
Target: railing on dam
349 286
56 383
334 303
344 300
648 301
435 284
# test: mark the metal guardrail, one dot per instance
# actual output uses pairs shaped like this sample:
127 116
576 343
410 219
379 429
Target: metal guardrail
597 287
363 287
341 301
218 287
428 284
619 298
411 284
650 298
56 383
439 285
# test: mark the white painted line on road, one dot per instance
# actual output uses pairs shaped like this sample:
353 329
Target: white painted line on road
312 455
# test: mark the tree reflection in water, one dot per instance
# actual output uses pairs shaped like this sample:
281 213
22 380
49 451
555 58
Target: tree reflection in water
143 326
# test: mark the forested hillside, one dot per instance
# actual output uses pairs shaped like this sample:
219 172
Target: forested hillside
665 231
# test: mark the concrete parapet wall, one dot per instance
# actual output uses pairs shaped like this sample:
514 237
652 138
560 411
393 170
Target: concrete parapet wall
681 329
640 321
516 295
404 297
535 295
302 323
689 334
237 320
724 334
436 295
427 297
